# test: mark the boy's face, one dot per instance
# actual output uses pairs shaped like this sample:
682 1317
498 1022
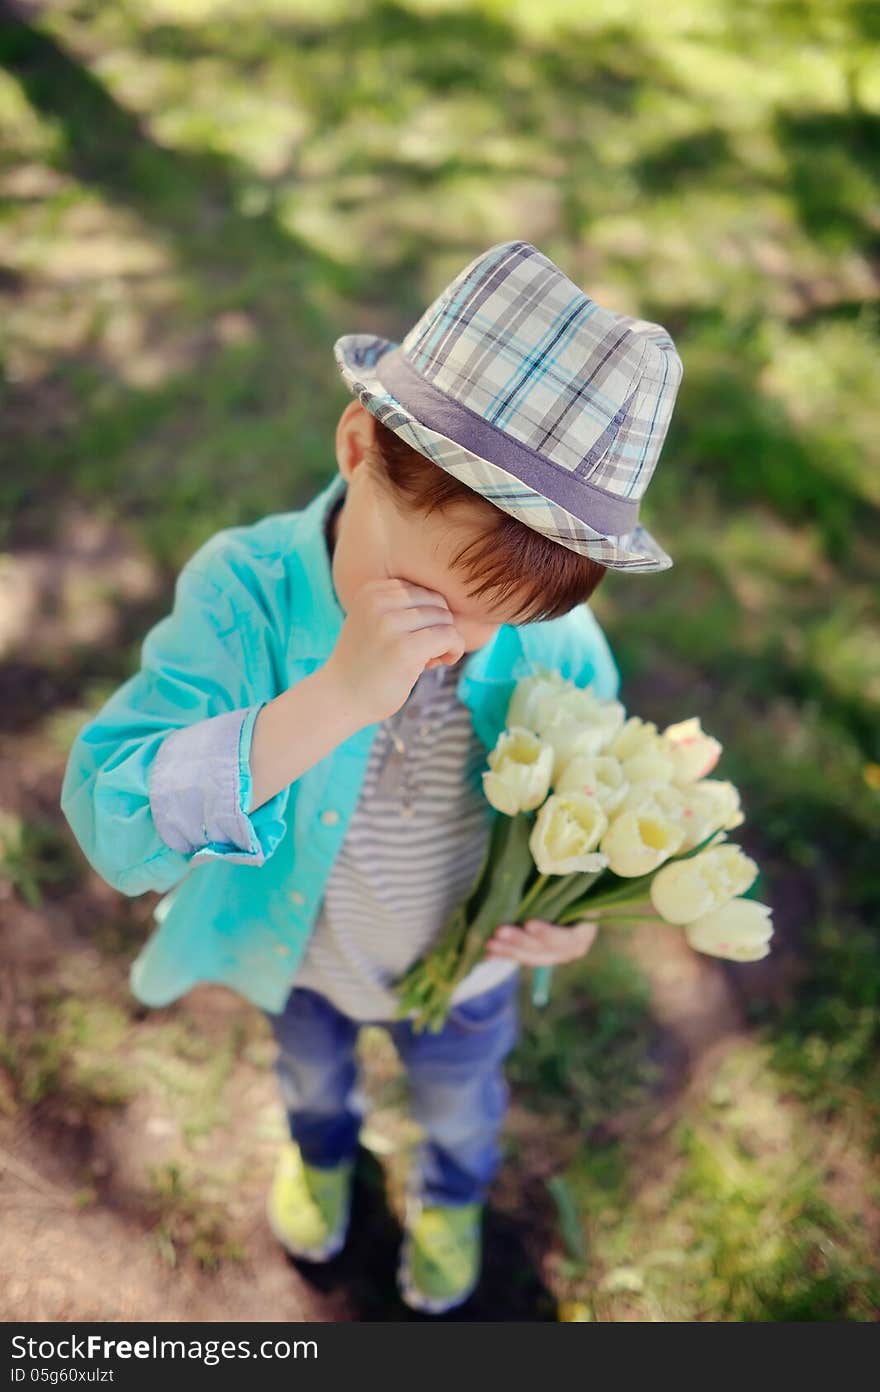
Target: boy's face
372 540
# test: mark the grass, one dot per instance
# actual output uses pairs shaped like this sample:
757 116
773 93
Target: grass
190 1072
34 855
194 203
71 1055
191 1219
732 1215
587 1052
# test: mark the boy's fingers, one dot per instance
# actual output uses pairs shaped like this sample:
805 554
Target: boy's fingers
581 933
586 933
550 934
536 957
538 943
534 931
509 936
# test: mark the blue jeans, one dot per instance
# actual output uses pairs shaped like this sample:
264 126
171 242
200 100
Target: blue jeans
458 1091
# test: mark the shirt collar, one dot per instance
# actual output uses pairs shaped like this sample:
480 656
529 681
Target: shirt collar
316 636
506 655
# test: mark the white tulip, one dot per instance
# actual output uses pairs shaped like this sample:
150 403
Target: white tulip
635 736
644 755
533 695
652 764
519 773
636 844
566 833
597 775
663 800
714 801
685 890
739 931
546 701
570 741
694 753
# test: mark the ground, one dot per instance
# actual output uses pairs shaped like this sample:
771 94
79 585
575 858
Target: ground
195 201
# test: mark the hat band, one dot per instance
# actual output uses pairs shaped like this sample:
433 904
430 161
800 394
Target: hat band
610 515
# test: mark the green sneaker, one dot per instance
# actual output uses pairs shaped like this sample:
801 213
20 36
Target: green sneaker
440 1256
308 1208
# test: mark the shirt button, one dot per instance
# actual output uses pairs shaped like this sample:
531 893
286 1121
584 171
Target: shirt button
282 950
330 817
426 729
296 897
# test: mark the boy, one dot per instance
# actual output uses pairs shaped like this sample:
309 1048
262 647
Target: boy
311 722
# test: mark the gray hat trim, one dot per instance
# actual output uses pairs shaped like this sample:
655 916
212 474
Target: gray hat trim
608 512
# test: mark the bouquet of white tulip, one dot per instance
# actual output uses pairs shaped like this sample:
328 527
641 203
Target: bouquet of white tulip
629 823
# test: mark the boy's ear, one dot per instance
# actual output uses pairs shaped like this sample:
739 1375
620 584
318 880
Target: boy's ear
355 432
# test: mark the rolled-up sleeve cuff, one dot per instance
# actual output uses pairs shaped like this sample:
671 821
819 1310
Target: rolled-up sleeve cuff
200 787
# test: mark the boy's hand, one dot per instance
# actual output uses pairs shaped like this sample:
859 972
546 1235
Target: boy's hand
540 944
391 631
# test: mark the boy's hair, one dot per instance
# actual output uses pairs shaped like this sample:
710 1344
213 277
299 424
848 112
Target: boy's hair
508 558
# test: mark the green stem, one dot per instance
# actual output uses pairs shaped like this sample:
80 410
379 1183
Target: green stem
585 909
625 893
504 892
617 918
611 914
531 894
560 895
630 890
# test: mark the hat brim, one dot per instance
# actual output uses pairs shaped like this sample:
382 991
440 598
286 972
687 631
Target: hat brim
357 356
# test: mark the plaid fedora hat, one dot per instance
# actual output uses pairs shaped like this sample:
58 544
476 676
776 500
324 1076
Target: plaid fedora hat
533 395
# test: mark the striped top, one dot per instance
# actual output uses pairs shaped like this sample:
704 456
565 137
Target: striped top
412 850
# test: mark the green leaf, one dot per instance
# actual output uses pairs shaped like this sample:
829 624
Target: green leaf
569 1220
557 897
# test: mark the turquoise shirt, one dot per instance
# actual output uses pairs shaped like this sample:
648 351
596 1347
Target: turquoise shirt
255 611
